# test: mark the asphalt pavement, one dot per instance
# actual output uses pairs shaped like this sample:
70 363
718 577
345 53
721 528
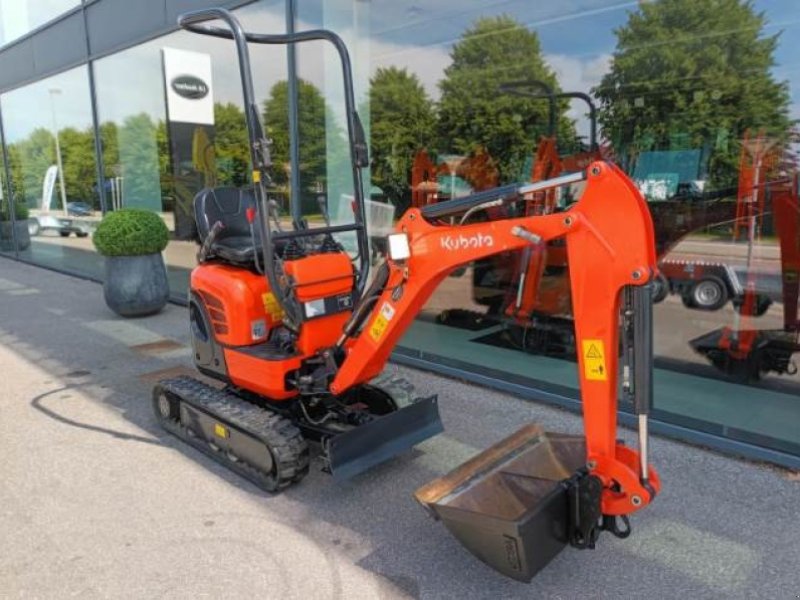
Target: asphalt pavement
97 501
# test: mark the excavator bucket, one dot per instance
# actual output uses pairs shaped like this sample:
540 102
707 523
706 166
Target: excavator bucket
509 504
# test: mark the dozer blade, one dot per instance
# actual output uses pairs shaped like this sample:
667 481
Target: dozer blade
508 505
370 444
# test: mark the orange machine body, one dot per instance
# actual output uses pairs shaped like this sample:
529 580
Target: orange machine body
610 245
239 304
315 279
243 311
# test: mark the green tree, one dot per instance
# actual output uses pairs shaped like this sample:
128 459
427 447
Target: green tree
402 122
80 168
138 155
312 146
231 145
110 144
474 112
693 74
29 160
109 141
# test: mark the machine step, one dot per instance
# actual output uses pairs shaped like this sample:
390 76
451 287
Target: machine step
256 443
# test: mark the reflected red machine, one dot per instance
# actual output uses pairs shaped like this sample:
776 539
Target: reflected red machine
530 295
743 350
478 169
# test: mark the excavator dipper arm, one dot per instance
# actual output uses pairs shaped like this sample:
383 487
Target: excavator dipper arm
611 251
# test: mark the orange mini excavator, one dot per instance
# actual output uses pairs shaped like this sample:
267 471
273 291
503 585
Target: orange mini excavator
289 323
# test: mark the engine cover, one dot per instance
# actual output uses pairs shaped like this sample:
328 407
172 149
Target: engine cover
239 303
323 287
322 283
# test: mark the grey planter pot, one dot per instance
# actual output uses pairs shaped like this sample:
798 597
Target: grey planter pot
21 230
136 286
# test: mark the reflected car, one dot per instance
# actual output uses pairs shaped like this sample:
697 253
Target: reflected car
79 209
65 226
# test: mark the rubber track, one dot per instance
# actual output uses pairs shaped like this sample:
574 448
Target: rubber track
287 446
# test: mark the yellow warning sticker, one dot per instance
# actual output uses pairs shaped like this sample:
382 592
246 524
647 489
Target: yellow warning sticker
220 431
271 306
381 322
594 360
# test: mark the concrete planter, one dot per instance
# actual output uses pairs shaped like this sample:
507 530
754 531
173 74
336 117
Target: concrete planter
22 234
136 286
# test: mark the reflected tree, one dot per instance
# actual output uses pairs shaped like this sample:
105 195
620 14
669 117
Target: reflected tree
402 122
473 112
693 74
168 193
139 160
29 159
312 143
130 152
78 159
233 157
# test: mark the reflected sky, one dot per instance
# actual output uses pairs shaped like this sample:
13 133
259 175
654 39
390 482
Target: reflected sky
18 17
62 99
577 39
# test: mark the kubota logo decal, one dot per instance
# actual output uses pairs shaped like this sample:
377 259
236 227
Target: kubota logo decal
462 242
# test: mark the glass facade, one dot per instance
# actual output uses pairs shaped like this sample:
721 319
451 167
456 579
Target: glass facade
697 100
18 17
49 140
148 162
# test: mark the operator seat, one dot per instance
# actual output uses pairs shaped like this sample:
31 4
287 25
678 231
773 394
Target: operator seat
228 204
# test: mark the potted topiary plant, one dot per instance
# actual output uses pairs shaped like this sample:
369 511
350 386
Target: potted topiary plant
132 240
19 227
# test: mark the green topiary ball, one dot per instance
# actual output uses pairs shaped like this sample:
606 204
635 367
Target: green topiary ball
131 232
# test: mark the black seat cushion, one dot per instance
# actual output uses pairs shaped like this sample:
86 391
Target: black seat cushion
229 205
